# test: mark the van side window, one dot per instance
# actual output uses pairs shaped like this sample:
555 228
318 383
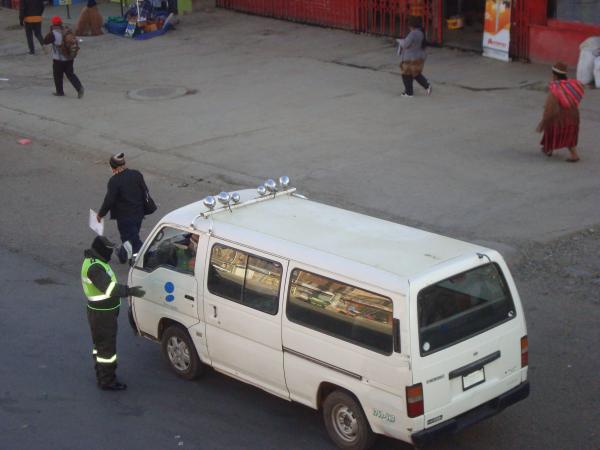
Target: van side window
341 310
174 249
246 279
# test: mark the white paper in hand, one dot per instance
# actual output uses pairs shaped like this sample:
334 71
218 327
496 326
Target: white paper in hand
400 46
98 227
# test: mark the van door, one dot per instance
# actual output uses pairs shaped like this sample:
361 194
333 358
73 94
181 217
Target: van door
243 315
166 271
466 326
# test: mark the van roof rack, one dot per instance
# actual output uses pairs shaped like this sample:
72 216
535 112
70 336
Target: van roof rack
225 201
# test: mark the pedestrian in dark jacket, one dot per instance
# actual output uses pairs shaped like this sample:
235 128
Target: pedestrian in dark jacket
104 301
124 199
30 16
61 64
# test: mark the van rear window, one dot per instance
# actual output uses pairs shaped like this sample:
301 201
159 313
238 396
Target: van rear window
462 306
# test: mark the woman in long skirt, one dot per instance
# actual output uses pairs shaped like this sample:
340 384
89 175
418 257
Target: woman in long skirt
560 123
90 20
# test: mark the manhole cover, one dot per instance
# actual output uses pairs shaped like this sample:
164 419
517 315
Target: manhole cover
159 93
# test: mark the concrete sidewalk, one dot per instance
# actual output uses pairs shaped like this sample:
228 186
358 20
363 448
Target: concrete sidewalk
267 97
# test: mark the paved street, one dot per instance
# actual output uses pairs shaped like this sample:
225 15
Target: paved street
266 98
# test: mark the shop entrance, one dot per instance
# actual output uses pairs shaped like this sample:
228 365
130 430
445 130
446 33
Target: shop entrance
463 24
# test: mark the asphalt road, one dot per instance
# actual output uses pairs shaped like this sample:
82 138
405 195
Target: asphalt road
48 396
268 98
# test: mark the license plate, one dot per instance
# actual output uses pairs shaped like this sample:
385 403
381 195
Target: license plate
473 379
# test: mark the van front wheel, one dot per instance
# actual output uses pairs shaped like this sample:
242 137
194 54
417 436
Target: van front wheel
179 351
346 422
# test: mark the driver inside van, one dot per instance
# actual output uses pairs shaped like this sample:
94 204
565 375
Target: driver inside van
178 252
185 255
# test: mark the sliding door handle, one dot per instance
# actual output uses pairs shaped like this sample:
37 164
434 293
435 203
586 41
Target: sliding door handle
189 297
214 311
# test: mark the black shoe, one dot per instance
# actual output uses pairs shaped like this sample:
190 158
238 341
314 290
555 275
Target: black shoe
125 252
115 386
80 92
56 94
122 255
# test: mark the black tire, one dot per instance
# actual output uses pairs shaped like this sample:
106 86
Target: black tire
180 353
346 423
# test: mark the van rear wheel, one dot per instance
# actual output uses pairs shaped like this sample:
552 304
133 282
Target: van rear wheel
180 353
346 423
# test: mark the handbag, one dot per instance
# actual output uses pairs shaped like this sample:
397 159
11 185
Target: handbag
149 204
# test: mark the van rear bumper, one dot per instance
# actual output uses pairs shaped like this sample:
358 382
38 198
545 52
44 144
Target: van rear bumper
458 423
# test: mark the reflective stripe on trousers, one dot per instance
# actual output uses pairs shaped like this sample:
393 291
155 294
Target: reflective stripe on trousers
110 360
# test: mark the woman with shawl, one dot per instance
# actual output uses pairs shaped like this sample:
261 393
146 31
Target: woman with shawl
90 20
560 122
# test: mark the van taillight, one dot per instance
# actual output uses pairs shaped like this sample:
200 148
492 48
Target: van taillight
414 400
524 351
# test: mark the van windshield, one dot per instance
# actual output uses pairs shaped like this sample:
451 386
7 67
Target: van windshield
462 306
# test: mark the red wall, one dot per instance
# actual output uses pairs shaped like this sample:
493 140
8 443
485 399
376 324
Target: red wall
554 40
332 13
537 11
558 41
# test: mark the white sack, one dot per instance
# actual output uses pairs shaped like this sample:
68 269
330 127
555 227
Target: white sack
597 71
585 66
591 43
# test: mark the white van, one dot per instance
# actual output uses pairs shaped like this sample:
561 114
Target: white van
384 328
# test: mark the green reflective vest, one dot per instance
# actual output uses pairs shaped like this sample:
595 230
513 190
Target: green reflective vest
94 295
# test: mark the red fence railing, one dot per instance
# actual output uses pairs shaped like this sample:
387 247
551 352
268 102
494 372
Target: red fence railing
385 17
389 17
519 29
331 13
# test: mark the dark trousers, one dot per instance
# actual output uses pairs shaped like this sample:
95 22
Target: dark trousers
30 30
129 229
103 325
60 68
408 82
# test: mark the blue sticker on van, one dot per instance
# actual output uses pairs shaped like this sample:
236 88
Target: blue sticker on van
169 288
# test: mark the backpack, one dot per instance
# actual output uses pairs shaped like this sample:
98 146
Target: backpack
70 45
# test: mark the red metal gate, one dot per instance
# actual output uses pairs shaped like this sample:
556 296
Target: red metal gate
331 13
389 17
519 29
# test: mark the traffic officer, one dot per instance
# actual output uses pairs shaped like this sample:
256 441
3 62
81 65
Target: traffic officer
104 299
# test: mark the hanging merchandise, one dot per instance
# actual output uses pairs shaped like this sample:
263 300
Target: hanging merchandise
142 21
496 31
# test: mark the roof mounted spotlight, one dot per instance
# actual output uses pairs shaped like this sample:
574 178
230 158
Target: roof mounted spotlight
210 202
271 186
262 190
223 198
235 198
284 182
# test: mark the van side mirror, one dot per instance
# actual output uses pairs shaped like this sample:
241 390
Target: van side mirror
396 334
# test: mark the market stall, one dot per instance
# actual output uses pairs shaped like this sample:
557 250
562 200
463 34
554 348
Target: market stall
142 20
